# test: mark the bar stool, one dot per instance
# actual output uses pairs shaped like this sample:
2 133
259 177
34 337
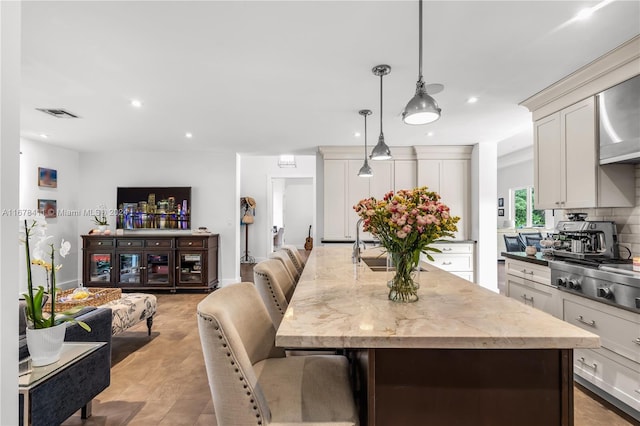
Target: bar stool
283 257
295 256
275 286
252 382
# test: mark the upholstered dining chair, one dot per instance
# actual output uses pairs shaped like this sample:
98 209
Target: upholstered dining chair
512 243
252 382
275 286
295 256
283 257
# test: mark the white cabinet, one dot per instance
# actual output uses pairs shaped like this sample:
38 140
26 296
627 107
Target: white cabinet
529 283
405 174
451 179
456 258
335 200
343 188
566 166
614 367
382 180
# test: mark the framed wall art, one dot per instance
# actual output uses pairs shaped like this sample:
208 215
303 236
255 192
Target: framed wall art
47 178
49 208
500 212
500 202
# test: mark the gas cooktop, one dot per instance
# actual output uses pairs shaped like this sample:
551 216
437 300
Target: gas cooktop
611 282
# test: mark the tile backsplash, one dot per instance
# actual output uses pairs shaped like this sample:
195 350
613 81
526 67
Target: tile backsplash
627 220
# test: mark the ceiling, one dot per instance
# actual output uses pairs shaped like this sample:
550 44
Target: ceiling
271 77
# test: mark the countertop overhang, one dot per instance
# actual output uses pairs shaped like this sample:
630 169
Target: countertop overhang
340 304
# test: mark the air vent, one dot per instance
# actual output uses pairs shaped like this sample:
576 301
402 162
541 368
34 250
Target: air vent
57 112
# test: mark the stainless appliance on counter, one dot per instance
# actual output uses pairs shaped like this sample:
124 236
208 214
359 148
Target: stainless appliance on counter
587 263
586 239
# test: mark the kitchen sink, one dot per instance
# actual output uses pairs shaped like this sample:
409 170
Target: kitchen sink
377 264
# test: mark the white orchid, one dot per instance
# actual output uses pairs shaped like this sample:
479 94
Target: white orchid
43 255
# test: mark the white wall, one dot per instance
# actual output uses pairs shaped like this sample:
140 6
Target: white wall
9 173
484 206
256 176
41 154
298 210
214 199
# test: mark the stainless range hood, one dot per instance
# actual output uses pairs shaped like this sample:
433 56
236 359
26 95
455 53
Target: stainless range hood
619 122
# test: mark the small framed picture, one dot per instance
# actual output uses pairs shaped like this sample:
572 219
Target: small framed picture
47 178
500 202
500 212
49 208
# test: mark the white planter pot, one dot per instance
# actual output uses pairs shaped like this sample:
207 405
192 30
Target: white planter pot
102 228
45 344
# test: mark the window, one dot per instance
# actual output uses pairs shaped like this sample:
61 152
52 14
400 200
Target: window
524 214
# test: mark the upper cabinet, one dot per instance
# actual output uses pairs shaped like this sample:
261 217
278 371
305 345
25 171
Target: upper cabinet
445 171
565 161
567 171
343 188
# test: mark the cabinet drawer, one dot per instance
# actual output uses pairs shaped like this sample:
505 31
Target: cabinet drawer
130 243
98 242
192 242
529 271
159 243
535 295
617 334
452 262
619 380
447 248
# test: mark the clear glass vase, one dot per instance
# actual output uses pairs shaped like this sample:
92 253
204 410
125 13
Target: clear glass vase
405 282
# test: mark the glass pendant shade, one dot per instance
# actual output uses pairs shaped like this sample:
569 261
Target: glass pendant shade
422 108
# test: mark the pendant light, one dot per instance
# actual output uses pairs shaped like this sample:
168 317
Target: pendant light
381 151
422 108
365 170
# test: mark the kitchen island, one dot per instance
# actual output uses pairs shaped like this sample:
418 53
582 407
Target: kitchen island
460 355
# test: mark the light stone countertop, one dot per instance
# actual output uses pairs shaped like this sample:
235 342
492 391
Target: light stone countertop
337 304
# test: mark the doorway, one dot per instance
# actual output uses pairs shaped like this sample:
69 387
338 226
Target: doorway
293 209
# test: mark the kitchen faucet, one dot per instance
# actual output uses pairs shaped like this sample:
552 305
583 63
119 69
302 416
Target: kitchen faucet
356 246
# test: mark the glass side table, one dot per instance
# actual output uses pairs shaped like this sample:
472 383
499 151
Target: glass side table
72 353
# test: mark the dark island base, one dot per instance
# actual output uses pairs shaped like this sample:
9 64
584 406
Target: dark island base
463 387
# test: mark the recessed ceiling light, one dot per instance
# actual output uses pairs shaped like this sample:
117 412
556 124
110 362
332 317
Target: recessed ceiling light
430 134
44 135
188 135
472 100
356 134
136 103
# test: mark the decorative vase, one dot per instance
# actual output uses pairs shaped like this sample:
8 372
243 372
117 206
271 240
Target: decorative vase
102 228
45 344
404 285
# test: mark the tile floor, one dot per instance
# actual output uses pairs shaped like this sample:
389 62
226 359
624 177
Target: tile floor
161 380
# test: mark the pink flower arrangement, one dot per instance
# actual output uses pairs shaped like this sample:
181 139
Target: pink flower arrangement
407 221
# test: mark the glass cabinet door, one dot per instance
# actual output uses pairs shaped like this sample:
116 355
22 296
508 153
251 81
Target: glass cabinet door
157 268
190 268
100 267
129 268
